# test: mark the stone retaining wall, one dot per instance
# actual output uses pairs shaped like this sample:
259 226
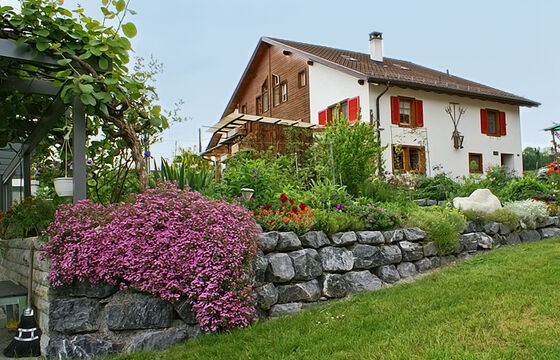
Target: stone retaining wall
14 266
291 273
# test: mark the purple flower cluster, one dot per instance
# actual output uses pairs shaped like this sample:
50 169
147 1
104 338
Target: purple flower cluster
169 242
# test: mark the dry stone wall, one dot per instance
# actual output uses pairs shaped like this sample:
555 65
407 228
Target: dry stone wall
292 273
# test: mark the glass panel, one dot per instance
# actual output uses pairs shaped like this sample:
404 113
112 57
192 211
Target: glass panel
414 156
398 163
405 111
284 92
265 101
276 95
492 122
344 110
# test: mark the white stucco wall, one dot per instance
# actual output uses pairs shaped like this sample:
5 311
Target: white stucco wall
328 87
435 135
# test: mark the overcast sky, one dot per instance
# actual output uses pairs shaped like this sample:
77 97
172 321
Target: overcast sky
205 46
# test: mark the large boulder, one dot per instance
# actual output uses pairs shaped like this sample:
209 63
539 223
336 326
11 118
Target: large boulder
481 201
370 237
78 347
267 296
156 339
334 285
288 241
132 311
285 309
280 268
307 264
344 238
74 315
268 241
364 255
358 281
388 273
307 291
336 259
411 251
314 239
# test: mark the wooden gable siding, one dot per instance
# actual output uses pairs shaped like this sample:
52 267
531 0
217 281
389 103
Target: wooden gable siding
270 60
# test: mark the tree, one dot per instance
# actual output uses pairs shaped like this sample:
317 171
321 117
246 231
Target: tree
92 65
535 158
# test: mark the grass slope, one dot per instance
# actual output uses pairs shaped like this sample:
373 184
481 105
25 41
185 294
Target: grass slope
501 305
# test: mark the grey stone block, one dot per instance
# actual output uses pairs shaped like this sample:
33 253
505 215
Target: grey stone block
74 315
423 265
485 241
184 310
406 269
334 285
358 281
550 232
430 249
288 241
131 311
156 339
370 237
267 296
305 292
307 264
393 236
314 239
336 259
414 234
491 228
85 289
388 273
529 235
285 309
364 255
411 251
344 238
447 260
268 241
78 347
259 269
469 242
280 268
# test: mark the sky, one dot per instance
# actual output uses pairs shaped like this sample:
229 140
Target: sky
204 47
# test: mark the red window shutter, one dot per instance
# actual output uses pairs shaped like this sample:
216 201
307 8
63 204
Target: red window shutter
502 119
323 117
395 110
353 109
419 112
483 121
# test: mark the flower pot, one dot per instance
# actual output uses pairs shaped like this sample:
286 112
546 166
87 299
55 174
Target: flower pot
64 186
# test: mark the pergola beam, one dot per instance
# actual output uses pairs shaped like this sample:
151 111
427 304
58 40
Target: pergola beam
29 86
23 53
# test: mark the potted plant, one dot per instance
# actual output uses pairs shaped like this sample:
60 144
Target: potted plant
64 186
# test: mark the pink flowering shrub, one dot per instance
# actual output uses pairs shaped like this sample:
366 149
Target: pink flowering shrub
168 242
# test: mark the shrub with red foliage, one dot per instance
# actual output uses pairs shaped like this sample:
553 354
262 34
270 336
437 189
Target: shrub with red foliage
168 242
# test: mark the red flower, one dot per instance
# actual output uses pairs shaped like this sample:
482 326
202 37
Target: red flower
291 201
302 206
283 198
267 206
294 209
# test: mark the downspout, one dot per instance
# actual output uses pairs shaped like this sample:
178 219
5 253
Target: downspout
378 126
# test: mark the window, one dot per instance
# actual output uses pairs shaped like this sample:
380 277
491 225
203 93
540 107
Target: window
492 122
348 109
406 112
302 78
244 109
259 105
409 158
275 79
280 93
265 99
284 91
342 111
475 163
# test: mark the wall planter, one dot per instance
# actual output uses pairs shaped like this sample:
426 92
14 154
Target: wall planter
64 186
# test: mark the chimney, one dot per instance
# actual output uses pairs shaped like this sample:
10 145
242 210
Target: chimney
376 46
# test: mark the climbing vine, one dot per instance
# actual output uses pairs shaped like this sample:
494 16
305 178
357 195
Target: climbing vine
93 65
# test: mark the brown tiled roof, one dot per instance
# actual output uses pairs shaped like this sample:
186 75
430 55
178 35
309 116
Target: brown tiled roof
399 72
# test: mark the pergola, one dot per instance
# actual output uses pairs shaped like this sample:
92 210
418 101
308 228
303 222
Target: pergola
15 159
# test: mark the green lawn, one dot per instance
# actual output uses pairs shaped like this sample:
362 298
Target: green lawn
502 305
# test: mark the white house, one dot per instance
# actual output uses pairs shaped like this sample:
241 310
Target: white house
429 119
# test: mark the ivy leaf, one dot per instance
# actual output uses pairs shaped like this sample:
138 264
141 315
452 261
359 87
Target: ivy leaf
65 12
129 30
104 109
86 88
42 32
120 5
63 62
103 63
105 11
85 55
42 45
155 121
87 99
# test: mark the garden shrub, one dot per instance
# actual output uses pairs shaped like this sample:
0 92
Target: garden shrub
378 190
27 218
442 225
503 216
526 187
530 212
374 216
336 221
325 195
498 177
439 187
169 242
468 184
